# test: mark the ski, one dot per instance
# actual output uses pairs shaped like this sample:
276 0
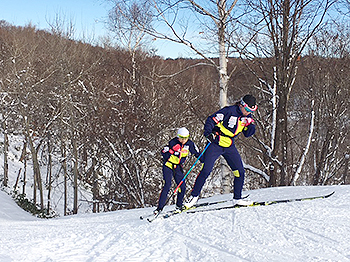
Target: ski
198 207
146 216
215 203
194 208
164 214
152 217
262 203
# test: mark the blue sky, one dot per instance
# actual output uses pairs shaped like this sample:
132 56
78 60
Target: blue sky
88 17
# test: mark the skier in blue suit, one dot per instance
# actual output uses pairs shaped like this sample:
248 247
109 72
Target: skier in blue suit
174 156
220 129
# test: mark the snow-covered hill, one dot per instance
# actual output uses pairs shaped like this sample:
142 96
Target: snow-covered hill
317 230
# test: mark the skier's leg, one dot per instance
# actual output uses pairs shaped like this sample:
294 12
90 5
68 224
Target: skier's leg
167 176
234 160
209 158
182 190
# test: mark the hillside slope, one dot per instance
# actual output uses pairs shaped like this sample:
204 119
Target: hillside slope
317 230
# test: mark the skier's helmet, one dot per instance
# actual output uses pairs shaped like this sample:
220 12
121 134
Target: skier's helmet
249 103
183 132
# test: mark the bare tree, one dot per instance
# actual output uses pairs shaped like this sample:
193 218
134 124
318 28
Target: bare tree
279 31
6 98
24 84
121 21
174 21
328 66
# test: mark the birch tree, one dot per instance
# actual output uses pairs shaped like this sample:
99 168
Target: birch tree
189 22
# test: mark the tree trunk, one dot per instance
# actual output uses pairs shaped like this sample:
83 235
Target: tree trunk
6 148
346 168
24 160
223 80
24 176
75 174
36 166
36 169
64 167
281 141
49 176
95 186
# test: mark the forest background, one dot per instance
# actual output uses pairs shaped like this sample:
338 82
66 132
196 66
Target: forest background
91 120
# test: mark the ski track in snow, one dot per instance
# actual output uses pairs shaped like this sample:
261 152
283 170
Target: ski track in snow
316 230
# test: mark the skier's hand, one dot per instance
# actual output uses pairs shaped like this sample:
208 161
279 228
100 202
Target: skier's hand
211 137
246 121
177 147
216 130
176 153
175 150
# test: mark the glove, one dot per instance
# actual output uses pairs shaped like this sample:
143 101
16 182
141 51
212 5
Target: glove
246 121
216 130
175 150
176 153
211 137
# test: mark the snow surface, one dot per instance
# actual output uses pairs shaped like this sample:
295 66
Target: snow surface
317 230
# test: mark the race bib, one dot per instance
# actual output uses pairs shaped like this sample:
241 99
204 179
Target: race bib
232 121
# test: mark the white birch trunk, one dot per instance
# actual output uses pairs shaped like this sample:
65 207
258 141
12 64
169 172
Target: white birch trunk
225 170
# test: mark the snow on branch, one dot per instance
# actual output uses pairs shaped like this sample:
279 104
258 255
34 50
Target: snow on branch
257 171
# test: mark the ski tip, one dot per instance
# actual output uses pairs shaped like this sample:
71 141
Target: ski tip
330 194
141 217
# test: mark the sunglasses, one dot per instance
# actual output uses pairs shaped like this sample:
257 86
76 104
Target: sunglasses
183 137
248 108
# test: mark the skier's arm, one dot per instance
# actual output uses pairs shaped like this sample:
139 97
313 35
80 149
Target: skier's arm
171 152
249 130
194 149
170 149
213 120
165 153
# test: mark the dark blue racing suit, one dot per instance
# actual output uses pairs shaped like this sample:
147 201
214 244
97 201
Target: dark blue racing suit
174 155
230 121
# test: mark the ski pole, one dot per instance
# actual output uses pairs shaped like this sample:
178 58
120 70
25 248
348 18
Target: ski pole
178 186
